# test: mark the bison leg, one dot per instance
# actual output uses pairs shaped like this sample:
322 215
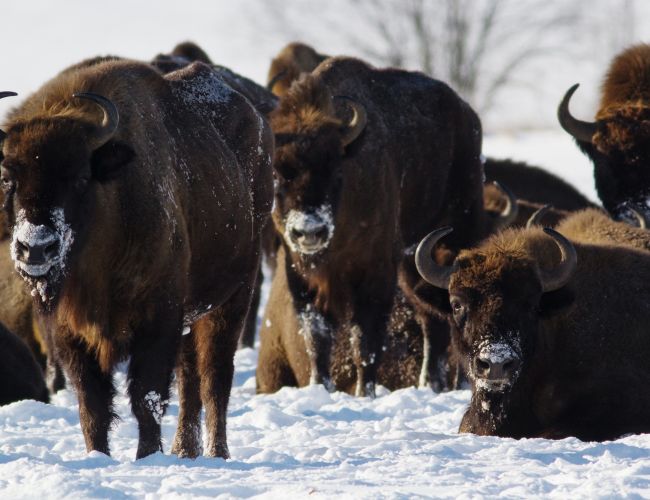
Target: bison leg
367 335
153 356
317 333
94 389
187 441
216 342
248 333
435 338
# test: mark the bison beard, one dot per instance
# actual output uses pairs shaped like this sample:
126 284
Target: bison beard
135 207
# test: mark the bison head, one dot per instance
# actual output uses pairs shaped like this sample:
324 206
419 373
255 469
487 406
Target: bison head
311 142
50 171
618 143
495 295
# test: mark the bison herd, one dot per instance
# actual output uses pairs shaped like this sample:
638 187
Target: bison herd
139 199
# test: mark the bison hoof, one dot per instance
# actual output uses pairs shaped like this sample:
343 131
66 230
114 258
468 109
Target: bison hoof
365 390
146 449
219 450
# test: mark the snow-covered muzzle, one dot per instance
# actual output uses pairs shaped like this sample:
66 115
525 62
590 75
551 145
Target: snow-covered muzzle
309 232
40 252
496 365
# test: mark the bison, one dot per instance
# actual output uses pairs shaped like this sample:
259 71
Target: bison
292 61
22 377
367 161
136 201
552 330
618 141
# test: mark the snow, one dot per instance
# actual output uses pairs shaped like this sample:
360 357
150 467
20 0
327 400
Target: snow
308 442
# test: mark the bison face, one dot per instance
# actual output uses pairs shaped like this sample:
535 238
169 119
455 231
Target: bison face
309 174
496 320
309 179
495 295
50 171
618 144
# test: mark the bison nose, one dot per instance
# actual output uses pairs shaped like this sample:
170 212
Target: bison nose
310 236
494 369
38 253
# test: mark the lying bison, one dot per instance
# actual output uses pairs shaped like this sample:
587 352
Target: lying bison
136 201
617 142
367 161
22 377
553 333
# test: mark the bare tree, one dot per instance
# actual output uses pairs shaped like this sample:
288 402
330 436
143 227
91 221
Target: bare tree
479 47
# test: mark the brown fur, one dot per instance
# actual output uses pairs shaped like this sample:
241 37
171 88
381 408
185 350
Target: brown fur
620 147
292 61
418 166
583 349
185 178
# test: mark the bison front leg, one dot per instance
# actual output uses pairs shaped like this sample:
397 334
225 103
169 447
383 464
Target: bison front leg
317 334
153 356
94 389
367 335
216 336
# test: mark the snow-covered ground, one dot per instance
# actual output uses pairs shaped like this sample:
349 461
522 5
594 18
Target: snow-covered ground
302 443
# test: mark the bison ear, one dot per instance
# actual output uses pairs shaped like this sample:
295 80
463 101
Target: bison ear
107 160
554 302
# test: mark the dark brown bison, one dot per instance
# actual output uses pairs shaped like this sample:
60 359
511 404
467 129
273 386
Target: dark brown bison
22 377
618 141
136 201
292 61
264 101
553 332
535 185
359 178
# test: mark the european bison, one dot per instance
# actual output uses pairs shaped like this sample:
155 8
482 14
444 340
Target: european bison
136 201
292 61
367 161
264 101
553 332
535 185
22 377
618 142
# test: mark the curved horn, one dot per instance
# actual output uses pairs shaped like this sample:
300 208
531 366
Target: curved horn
356 124
510 212
111 118
276 78
641 219
554 279
583 131
2 96
427 267
536 218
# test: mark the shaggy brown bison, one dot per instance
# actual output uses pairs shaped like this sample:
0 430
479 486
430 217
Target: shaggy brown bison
618 141
136 201
358 178
292 61
553 333
22 377
264 101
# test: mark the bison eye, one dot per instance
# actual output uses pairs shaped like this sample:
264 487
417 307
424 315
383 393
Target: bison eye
457 308
7 183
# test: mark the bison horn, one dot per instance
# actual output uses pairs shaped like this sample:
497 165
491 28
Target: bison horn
109 123
433 273
536 218
510 212
554 279
2 96
641 219
583 131
276 78
358 122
